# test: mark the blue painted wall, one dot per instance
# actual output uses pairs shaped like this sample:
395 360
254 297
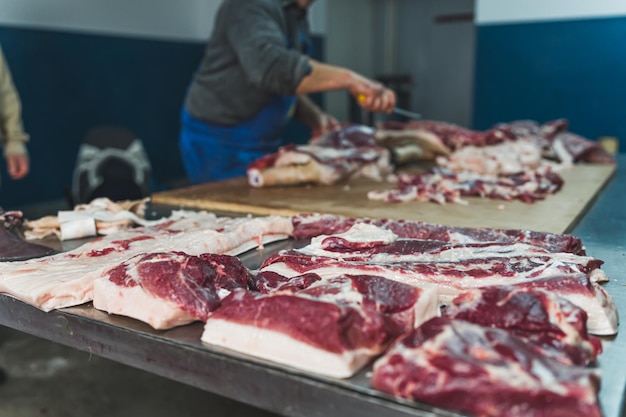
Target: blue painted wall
71 82
574 69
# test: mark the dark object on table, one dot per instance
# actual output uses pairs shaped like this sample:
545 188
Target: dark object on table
13 245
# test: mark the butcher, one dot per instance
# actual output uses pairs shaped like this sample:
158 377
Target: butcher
254 76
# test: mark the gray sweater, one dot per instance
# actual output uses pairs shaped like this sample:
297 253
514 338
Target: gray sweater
247 60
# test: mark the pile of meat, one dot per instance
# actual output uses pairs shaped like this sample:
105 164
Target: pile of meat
345 153
511 161
513 337
483 321
520 160
552 138
101 216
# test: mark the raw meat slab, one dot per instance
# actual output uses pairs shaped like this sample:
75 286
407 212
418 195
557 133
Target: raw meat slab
484 372
66 279
330 327
168 289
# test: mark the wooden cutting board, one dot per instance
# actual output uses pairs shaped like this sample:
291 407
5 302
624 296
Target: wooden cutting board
558 213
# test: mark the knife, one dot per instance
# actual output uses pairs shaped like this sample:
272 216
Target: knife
407 113
397 110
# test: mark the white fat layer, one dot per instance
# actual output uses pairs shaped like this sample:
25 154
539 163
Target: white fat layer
598 275
78 228
458 254
66 279
282 349
563 154
222 293
427 306
602 314
358 233
136 303
457 237
337 289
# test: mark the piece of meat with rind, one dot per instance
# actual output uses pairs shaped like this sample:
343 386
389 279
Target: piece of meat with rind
330 326
483 371
568 280
167 289
308 225
555 326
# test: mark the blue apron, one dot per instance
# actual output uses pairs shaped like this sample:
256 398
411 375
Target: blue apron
213 152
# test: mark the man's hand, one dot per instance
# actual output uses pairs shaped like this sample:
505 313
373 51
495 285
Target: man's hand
372 95
323 77
17 166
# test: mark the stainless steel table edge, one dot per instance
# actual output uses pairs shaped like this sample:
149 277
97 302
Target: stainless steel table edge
178 354
603 231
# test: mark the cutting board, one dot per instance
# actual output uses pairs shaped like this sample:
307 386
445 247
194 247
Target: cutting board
558 213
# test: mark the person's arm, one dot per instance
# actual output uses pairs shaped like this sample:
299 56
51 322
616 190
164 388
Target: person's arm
12 133
370 94
313 117
255 34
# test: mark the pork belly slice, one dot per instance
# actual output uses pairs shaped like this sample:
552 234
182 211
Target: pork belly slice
452 278
483 371
370 243
308 225
66 279
168 289
580 290
404 304
552 325
330 327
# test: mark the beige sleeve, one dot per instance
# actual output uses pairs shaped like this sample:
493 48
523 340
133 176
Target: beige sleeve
12 135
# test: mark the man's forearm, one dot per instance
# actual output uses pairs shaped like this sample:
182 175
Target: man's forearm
371 95
324 77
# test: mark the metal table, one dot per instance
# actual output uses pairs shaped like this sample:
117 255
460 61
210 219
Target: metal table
179 354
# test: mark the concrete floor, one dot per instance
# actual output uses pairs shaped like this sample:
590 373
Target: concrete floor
51 380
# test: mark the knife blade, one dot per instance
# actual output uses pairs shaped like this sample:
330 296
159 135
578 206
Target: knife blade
407 113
